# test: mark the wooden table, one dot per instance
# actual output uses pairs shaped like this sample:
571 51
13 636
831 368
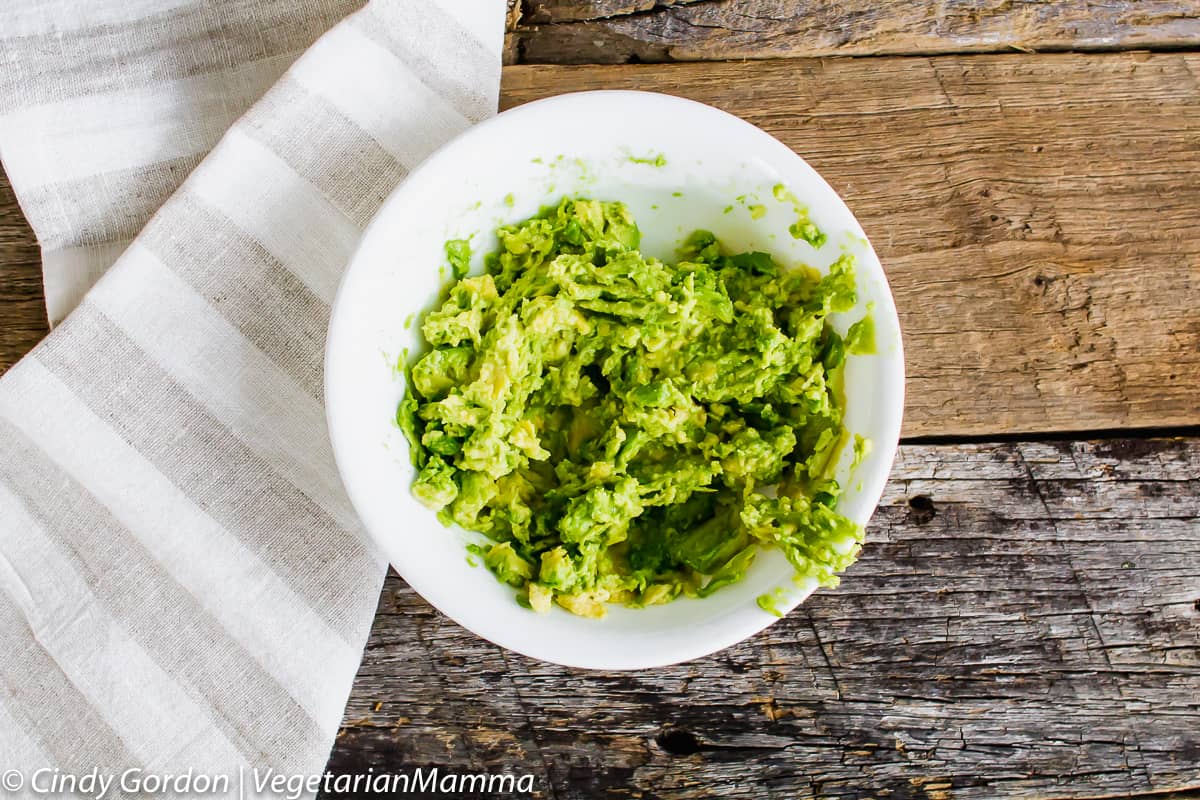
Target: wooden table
1025 621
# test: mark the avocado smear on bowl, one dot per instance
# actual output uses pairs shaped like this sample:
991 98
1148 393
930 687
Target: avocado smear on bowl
624 430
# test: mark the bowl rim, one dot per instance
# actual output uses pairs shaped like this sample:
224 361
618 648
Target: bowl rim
873 484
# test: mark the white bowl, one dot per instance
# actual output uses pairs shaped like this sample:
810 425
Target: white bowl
594 144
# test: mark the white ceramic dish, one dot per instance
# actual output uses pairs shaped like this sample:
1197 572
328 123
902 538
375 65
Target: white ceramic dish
595 144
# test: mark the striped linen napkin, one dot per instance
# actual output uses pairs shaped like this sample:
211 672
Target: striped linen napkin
183 583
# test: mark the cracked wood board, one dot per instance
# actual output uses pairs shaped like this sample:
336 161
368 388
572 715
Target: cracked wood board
1036 216
623 31
1024 622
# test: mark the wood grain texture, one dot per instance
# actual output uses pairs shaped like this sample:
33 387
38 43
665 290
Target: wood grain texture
1036 215
22 304
622 31
1026 619
1024 622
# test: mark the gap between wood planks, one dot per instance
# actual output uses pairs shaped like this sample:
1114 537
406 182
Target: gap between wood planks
1130 434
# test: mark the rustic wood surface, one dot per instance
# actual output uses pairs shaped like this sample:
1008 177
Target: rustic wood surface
1025 622
22 304
1036 216
623 31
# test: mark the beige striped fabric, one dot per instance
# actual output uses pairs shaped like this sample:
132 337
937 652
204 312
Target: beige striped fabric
107 105
183 583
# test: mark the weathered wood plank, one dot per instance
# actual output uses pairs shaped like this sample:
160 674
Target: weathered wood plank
1025 622
22 305
1036 216
512 20
539 12
623 31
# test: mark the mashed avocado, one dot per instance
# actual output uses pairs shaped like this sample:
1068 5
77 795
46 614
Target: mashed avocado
625 430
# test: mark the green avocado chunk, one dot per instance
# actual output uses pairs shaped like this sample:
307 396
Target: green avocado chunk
626 430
